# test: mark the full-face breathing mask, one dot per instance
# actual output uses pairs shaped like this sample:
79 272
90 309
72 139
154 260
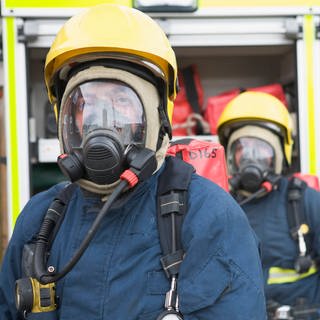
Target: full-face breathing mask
249 177
100 120
101 159
251 160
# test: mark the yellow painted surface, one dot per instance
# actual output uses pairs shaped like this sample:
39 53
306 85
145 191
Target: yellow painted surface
202 3
13 157
259 3
59 3
309 37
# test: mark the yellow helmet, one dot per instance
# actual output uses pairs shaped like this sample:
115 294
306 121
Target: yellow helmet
261 109
115 32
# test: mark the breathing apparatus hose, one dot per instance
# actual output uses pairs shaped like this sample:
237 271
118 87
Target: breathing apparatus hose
254 195
41 273
142 165
266 187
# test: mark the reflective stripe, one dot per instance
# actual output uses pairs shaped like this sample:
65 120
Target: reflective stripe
279 275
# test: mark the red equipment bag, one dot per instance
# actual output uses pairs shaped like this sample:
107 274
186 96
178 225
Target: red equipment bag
207 157
311 180
187 113
275 89
216 104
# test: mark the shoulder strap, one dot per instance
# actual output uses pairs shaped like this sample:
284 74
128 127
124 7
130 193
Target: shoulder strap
172 200
56 211
59 205
66 193
295 207
298 225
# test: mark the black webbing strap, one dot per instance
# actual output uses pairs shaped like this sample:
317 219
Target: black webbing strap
185 141
191 89
60 204
192 94
295 210
172 197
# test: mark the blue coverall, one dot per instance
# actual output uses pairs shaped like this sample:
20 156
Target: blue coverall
268 217
120 276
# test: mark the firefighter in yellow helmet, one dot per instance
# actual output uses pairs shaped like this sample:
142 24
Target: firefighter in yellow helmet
139 67
111 245
256 130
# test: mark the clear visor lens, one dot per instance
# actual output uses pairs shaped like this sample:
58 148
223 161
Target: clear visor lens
102 105
251 150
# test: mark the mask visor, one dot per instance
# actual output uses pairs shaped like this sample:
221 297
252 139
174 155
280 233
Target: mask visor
106 104
253 151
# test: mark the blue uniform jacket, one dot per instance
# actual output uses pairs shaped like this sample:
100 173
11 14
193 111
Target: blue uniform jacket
268 217
120 275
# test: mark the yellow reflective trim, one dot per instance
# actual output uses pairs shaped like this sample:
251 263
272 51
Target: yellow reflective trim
309 38
257 3
13 127
60 3
278 275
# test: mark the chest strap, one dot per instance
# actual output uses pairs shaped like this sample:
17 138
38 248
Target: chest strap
172 200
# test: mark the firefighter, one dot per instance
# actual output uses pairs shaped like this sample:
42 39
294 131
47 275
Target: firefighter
256 130
111 75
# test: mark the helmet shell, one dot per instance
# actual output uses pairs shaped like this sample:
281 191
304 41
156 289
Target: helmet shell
257 108
110 28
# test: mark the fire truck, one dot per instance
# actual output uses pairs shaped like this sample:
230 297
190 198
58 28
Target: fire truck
236 43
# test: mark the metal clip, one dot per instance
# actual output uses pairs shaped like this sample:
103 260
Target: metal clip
171 301
283 313
302 243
